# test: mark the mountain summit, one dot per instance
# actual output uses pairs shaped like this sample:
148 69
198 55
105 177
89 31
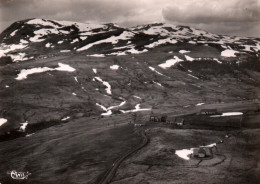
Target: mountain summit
35 37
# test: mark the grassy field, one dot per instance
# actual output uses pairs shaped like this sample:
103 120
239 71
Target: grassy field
81 150
236 160
76 152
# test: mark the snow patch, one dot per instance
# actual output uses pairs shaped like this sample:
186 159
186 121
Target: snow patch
5 49
153 69
114 67
47 45
184 153
247 48
64 32
215 59
192 76
64 51
41 22
116 106
137 108
44 32
36 38
65 118
25 72
108 89
170 62
188 58
13 33
83 37
24 41
18 57
2 121
97 55
159 84
29 135
134 51
65 67
131 51
108 113
161 42
108 110
210 145
229 53
113 40
184 51
83 27
228 114
192 42
23 126
75 40
102 107
76 79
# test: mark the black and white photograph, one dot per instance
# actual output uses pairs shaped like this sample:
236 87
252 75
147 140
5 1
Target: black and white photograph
129 91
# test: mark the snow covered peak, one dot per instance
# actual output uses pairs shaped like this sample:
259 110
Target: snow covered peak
41 22
22 40
59 24
170 30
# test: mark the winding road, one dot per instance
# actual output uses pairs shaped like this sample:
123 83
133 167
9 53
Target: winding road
107 178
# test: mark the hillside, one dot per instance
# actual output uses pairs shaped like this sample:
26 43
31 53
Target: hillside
76 75
111 66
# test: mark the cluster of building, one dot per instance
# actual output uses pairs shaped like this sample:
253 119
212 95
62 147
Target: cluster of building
166 119
205 117
179 121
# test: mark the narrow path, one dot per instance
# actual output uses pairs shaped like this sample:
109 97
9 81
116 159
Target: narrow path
107 178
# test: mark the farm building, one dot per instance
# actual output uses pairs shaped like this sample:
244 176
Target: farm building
170 120
139 125
158 118
208 112
202 152
179 121
175 121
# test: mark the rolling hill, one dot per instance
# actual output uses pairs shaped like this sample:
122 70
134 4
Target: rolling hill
56 70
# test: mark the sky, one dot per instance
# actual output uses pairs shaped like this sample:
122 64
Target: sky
226 17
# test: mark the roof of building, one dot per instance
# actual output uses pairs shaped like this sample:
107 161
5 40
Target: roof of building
208 110
157 115
202 150
179 120
195 151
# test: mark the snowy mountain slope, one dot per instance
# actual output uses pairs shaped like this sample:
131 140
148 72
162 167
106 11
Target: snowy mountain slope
22 40
57 71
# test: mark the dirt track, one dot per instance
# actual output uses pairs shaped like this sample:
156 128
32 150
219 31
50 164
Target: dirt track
112 171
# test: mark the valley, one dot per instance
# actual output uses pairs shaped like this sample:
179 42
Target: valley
76 102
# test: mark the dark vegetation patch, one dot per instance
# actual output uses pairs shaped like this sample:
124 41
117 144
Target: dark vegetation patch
5 60
30 128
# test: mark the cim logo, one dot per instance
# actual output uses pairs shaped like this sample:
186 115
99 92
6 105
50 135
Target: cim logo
19 175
